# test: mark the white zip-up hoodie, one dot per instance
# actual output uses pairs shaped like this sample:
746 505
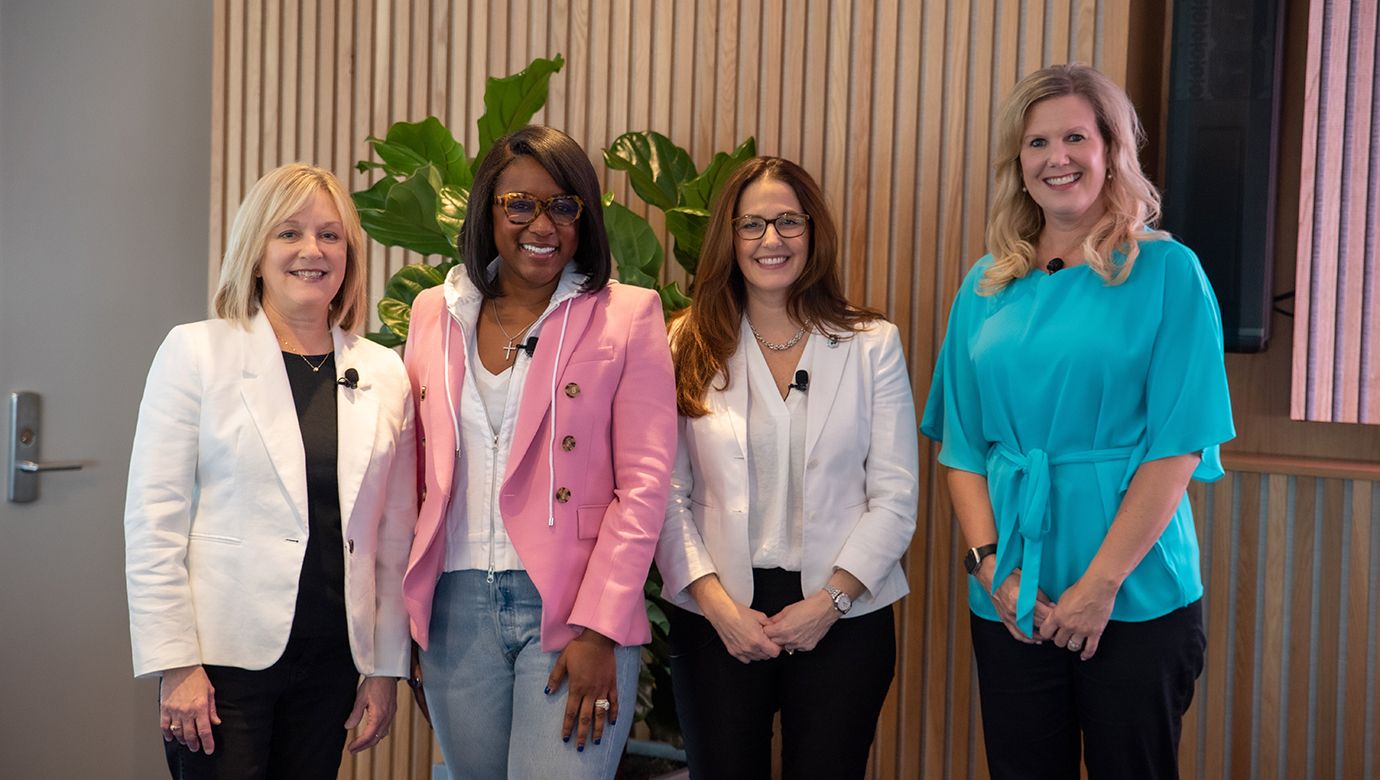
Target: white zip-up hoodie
475 535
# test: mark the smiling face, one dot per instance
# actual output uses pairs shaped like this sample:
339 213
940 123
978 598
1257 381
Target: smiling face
770 264
534 254
303 263
1064 159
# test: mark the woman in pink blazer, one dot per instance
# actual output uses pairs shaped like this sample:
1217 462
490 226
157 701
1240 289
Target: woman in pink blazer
547 427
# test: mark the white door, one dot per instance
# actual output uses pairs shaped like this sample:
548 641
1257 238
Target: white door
104 192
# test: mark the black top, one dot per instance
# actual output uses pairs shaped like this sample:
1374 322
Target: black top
321 590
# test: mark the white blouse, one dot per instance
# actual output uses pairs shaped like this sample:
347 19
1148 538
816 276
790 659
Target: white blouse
776 462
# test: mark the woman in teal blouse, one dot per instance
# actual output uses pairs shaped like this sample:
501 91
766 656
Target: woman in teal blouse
1080 386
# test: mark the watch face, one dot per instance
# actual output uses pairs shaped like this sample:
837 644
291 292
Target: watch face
970 560
844 602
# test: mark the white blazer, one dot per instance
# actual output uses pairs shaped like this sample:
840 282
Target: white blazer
216 513
861 476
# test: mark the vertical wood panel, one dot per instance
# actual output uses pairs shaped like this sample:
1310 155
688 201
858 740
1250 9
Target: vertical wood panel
1336 355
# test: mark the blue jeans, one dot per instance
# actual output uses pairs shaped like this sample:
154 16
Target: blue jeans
485 676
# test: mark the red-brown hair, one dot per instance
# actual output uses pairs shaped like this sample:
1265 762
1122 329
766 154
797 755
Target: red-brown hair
706 334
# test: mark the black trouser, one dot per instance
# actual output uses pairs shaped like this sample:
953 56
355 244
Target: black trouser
286 721
1125 705
829 697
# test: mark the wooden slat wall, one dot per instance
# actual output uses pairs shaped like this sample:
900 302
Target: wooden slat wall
1336 350
890 104
1292 569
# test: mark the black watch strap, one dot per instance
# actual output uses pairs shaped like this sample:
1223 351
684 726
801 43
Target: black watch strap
973 559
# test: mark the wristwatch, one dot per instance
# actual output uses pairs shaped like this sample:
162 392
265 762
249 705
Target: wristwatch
842 601
973 559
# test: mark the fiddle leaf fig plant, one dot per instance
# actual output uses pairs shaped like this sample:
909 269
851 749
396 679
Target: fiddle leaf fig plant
420 201
663 175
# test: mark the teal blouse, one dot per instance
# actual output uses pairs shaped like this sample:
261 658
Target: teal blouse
1056 389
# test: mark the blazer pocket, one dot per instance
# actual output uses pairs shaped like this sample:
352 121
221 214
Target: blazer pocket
597 353
590 519
218 538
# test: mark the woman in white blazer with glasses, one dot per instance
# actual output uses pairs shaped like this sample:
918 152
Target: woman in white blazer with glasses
271 503
794 493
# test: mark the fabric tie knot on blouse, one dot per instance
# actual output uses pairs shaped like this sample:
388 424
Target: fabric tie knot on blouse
1031 517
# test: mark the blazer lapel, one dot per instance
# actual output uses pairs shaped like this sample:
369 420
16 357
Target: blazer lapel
356 422
732 402
268 397
536 391
826 373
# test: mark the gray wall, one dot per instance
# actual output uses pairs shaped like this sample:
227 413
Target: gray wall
104 200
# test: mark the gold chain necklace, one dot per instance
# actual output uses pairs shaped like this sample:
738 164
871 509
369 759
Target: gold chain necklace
315 367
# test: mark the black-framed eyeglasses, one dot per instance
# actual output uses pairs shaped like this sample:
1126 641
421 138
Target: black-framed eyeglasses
751 227
521 207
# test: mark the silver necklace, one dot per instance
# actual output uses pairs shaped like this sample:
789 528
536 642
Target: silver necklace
510 349
771 345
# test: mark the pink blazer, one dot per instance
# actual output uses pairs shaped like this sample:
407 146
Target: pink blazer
612 452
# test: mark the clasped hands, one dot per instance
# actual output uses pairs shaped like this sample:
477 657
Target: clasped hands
750 635
1075 623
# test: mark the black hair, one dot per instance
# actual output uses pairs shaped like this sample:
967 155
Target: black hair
569 166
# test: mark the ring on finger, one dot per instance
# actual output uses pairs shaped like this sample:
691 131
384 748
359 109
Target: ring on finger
1075 645
175 727
602 704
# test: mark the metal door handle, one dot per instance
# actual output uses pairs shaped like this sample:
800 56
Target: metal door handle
25 464
31 467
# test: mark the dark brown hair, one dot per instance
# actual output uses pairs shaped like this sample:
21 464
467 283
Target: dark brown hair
707 333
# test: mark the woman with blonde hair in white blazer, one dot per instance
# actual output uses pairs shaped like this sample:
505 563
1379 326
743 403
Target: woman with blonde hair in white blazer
271 503
794 493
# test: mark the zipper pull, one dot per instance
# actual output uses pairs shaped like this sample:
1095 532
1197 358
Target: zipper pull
490 579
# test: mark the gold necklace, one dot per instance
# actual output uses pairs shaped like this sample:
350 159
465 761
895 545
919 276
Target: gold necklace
509 350
315 368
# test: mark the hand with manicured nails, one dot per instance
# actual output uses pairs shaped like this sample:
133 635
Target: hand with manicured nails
588 661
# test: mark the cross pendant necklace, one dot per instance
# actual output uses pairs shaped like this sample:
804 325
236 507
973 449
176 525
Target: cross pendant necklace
511 349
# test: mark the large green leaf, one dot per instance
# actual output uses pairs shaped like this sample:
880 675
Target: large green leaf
395 316
408 217
411 280
687 226
633 243
376 197
672 299
511 102
451 206
699 192
385 336
656 167
395 307
410 145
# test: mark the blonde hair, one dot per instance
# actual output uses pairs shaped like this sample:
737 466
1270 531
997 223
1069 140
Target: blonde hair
1132 202
281 193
